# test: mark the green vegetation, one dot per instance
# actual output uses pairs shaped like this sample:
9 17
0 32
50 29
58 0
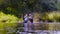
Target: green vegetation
7 20
12 11
54 16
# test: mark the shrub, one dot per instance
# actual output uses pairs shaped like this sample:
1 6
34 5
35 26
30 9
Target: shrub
7 18
53 16
6 21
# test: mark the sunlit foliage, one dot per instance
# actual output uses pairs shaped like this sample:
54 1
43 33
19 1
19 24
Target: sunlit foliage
54 16
7 18
6 21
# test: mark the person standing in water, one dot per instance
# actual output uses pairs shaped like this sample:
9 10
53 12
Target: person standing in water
26 22
31 21
28 17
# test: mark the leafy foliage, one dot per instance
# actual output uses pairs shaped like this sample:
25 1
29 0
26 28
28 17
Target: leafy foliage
6 21
18 7
54 16
7 18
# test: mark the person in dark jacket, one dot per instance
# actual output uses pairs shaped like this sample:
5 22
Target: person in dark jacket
31 21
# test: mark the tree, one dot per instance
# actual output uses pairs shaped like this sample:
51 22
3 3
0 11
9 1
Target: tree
26 6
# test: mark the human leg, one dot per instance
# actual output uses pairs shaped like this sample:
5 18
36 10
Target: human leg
25 26
31 25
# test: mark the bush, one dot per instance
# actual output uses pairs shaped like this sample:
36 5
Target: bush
6 21
7 18
53 16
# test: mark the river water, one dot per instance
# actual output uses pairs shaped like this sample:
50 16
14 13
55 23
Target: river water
54 31
42 32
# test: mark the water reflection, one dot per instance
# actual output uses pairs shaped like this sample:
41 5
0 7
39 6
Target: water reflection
42 28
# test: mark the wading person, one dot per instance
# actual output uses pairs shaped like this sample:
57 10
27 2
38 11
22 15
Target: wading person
28 17
26 23
31 21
